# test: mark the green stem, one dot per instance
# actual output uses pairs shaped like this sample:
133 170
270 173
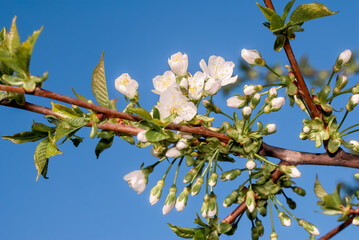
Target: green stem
273 85
281 86
271 214
346 114
349 132
330 78
285 209
159 161
258 114
349 128
178 167
270 69
349 90
242 185
138 104
275 205
168 169
226 115
265 160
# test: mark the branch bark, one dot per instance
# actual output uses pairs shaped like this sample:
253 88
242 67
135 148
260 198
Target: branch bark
336 230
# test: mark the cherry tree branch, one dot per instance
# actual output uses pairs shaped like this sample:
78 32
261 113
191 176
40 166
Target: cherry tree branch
302 87
336 230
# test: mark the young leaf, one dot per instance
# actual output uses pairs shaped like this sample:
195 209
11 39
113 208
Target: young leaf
279 42
103 144
140 112
40 157
79 96
287 9
69 126
319 190
26 136
154 136
64 111
306 12
268 13
224 227
183 232
98 85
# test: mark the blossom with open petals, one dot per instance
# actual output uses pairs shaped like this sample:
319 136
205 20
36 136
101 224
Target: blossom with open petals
219 69
212 86
196 84
126 85
172 101
162 82
137 180
178 63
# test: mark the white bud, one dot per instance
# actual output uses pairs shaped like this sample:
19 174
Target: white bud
315 231
246 112
277 103
273 92
173 152
248 90
212 86
235 102
345 56
356 221
295 172
355 145
306 129
355 99
141 136
250 165
250 55
181 144
184 83
271 128
179 63
185 135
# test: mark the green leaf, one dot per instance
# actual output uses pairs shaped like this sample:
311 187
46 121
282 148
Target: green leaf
98 85
79 96
224 227
279 43
154 136
200 235
40 158
140 112
287 9
26 136
102 145
156 113
306 12
189 160
199 221
52 150
69 126
64 111
276 23
268 13
183 232
333 145
13 40
40 127
127 137
292 89
319 190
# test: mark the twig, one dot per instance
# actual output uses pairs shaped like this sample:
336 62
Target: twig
302 87
336 230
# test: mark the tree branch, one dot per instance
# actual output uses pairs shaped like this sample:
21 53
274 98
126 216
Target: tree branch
337 229
302 87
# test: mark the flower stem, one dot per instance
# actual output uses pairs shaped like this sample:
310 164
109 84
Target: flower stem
178 167
349 128
349 90
168 169
226 115
330 78
265 160
350 132
345 115
285 209
271 214
270 69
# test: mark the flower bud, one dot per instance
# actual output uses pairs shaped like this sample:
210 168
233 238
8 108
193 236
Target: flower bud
197 186
353 102
190 175
213 179
212 86
246 112
249 90
230 175
255 100
255 233
292 171
170 200
156 192
306 129
299 191
173 153
250 201
230 199
269 129
259 227
212 206
178 63
356 221
252 57
184 86
292 205
310 228
273 236
204 208
356 175
284 219
141 136
276 104
236 102
182 144
251 164
355 145
345 56
272 93
355 89
182 199
342 80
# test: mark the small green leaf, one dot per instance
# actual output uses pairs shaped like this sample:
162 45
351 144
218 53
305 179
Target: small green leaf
68 126
64 111
40 127
140 112
279 42
98 85
156 113
292 89
306 12
79 96
52 150
287 9
183 232
40 157
154 136
127 137
333 145
13 38
199 235
26 136
224 227
276 23
199 221
268 13
319 190
103 144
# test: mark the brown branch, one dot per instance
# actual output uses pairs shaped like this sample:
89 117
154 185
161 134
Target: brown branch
337 229
233 215
302 87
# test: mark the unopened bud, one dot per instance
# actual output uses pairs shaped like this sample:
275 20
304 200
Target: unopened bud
292 205
269 129
342 80
181 201
230 175
230 199
284 219
309 227
353 102
170 200
197 186
292 171
204 208
246 112
251 164
212 206
356 221
299 191
190 175
250 201
272 93
213 179
236 102
273 236
156 192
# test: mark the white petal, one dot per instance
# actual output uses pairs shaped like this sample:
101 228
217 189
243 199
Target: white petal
168 207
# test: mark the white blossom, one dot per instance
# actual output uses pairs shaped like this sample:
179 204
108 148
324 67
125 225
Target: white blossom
235 102
181 144
355 99
345 56
250 165
173 101
196 84
185 135
219 69
246 112
141 136
250 56
180 205
249 90
212 86
136 180
295 173
173 152
277 103
127 86
168 207
162 82
179 63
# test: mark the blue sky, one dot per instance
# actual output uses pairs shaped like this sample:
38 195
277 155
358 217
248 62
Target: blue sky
87 198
